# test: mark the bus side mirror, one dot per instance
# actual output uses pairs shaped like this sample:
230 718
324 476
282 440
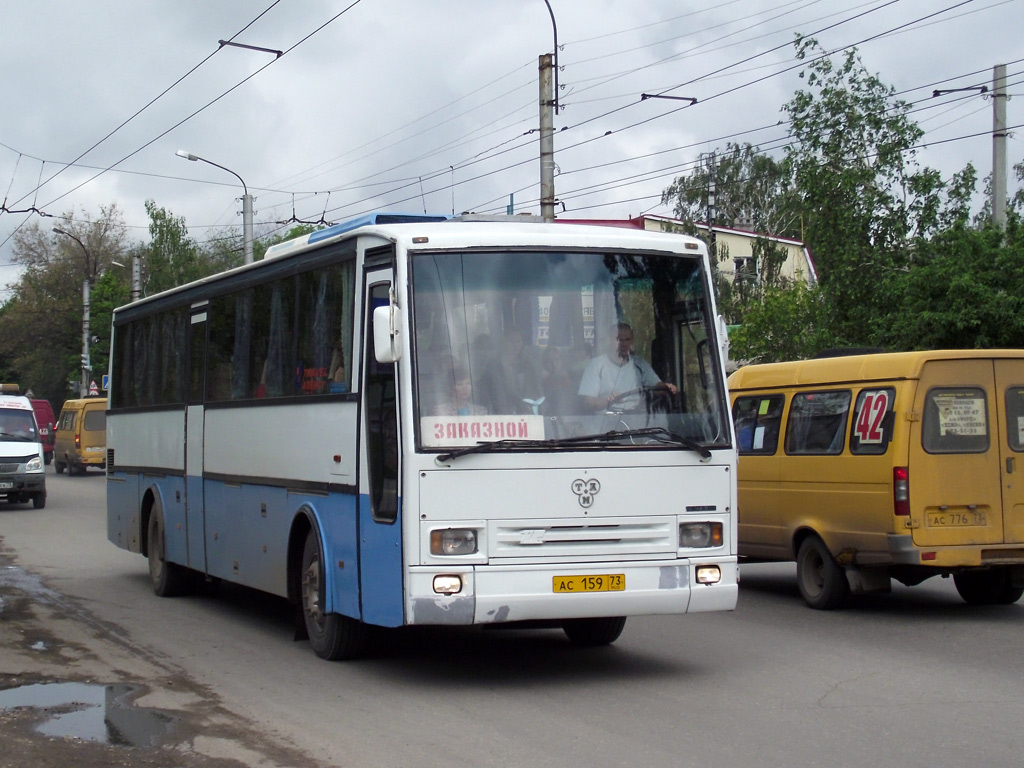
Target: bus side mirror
387 333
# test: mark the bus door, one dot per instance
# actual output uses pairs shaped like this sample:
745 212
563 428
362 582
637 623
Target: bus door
1009 395
955 466
194 510
380 529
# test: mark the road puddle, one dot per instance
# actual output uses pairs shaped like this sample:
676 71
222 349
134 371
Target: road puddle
100 713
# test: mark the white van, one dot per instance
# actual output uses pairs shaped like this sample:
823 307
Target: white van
22 470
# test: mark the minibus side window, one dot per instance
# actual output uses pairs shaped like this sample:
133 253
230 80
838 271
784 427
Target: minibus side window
1015 418
757 419
955 420
872 421
817 423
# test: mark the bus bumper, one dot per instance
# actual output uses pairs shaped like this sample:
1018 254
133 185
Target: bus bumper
493 594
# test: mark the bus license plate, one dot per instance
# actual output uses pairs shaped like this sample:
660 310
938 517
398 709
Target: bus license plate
606 582
955 519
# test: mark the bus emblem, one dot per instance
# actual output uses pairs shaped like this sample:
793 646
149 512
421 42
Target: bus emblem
586 490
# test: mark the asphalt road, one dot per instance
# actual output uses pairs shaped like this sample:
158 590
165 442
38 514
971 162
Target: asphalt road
912 678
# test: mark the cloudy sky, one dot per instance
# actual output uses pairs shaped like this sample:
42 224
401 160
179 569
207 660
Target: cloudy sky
432 105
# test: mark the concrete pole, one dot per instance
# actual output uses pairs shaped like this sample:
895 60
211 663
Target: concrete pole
547 139
136 278
247 227
999 146
84 389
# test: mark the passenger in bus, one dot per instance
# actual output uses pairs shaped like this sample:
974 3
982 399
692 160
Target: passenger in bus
617 379
512 383
460 401
337 378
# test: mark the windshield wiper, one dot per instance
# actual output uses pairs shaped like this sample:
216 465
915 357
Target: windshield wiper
660 434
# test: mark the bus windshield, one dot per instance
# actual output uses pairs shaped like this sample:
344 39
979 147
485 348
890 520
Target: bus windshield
547 345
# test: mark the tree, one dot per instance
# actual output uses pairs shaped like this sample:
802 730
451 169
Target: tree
41 322
749 186
862 194
172 256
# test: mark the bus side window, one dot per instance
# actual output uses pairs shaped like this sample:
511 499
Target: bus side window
817 423
871 429
757 423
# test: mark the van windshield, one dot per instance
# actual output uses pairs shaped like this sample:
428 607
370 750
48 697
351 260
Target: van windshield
549 345
17 426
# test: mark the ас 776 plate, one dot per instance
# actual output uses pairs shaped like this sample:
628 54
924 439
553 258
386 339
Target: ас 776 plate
606 582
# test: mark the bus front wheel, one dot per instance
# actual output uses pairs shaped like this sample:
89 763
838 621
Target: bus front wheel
822 581
168 579
588 633
331 635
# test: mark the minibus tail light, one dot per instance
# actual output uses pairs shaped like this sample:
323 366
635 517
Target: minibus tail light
900 491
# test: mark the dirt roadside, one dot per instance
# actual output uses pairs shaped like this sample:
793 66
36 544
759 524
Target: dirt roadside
77 691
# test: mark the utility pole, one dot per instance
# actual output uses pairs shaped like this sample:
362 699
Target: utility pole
999 146
86 286
547 138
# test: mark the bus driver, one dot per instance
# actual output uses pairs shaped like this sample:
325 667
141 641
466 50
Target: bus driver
608 377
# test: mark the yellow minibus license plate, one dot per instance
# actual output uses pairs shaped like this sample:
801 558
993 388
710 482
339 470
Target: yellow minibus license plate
955 519
606 582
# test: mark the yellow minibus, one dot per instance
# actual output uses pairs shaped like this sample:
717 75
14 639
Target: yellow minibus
872 467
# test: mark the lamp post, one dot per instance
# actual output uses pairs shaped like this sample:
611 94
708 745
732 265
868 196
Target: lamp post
246 203
86 282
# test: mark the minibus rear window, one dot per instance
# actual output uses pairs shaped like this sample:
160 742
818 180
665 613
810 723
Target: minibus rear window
955 420
1015 418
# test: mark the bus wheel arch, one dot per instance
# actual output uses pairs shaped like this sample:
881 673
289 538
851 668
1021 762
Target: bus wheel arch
821 580
331 635
167 579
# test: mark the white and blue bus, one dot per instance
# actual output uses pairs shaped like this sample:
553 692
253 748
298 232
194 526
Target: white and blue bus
392 422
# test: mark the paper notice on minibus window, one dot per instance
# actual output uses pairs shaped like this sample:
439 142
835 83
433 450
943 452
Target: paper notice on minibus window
961 415
452 431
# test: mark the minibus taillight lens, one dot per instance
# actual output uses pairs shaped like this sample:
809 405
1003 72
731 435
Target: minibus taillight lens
453 541
900 491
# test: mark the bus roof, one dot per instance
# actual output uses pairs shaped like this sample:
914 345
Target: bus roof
833 370
456 233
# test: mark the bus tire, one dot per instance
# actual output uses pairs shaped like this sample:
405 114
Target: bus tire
168 579
39 500
589 633
991 587
821 580
331 635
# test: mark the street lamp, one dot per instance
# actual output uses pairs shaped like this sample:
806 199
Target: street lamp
246 203
86 364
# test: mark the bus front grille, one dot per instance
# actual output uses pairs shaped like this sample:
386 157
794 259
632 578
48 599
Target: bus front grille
608 537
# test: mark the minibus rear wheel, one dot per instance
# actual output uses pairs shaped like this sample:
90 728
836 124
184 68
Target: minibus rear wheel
991 587
822 581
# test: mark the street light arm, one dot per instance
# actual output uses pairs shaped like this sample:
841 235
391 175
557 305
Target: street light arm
193 158
85 250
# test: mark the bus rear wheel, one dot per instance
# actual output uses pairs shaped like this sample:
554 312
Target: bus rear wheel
168 579
589 633
992 587
822 581
331 635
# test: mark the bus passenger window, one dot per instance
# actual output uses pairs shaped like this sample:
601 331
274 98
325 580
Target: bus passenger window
872 421
817 423
757 421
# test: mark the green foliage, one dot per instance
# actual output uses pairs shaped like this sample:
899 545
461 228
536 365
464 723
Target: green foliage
787 324
965 291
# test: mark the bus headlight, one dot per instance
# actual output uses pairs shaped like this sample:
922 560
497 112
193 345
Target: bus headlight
453 541
34 464
700 535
